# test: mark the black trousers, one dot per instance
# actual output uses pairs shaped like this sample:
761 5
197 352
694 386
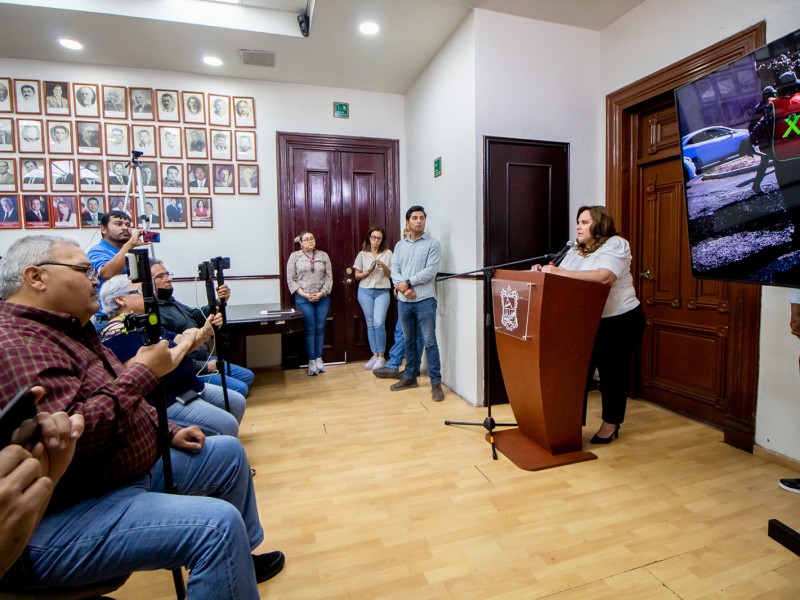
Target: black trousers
617 339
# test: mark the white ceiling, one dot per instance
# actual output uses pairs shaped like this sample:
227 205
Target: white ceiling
173 35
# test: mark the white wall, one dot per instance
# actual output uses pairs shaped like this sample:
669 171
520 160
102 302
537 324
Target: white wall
655 35
245 227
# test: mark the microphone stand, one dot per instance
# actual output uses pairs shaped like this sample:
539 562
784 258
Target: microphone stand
138 264
489 423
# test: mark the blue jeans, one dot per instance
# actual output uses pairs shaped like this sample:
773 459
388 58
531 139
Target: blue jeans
240 378
209 418
398 350
210 528
213 395
375 304
420 315
314 318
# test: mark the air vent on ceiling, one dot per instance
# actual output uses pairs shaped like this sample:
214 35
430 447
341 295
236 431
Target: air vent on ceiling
259 58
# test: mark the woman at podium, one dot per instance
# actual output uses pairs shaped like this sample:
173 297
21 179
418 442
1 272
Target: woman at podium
602 256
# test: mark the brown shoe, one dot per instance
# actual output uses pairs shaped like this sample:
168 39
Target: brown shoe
437 394
404 384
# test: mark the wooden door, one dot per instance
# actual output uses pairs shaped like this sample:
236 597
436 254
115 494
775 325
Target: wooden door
526 214
337 187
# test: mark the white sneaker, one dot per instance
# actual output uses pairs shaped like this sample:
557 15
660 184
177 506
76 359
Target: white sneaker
380 362
320 366
371 362
312 368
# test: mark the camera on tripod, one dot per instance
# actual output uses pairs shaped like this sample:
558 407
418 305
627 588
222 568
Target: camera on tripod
137 263
208 270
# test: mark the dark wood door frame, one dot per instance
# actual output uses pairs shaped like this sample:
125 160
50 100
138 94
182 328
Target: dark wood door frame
621 106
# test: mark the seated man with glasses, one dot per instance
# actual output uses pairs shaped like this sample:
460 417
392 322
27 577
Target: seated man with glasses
178 317
108 515
189 401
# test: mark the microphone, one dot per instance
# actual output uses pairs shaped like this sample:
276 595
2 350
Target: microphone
557 258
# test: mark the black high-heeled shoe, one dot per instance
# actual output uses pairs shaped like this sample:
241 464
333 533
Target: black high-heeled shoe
607 440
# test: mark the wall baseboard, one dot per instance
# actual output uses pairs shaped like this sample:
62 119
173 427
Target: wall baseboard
774 457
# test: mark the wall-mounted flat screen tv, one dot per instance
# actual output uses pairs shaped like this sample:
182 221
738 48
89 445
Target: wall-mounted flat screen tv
740 145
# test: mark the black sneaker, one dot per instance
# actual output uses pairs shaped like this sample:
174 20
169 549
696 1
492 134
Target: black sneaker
387 373
404 384
268 565
790 485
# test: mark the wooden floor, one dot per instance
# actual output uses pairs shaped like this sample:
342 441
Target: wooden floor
371 496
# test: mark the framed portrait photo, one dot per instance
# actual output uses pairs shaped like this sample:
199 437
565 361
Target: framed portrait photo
91 175
219 110
196 142
148 176
116 137
9 212
59 137
201 212
248 179
30 135
170 142
86 100
33 174
151 217
6 104
221 144
121 204
141 103
199 180
175 212
37 213
244 112
27 97
144 139
168 107
223 178
92 210
117 176
64 211
57 98
7 135
90 139
245 145
171 178
115 105
194 107
62 175
8 175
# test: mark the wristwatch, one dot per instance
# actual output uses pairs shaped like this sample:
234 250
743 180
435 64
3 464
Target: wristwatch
408 283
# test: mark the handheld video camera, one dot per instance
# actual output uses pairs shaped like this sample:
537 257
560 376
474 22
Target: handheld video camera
138 264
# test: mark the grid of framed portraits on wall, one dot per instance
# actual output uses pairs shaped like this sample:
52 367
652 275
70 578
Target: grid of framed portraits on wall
65 150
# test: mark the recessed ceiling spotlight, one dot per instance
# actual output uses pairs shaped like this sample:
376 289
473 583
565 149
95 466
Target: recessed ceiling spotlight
369 28
212 61
70 44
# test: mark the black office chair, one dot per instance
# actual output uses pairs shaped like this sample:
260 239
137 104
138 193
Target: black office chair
82 592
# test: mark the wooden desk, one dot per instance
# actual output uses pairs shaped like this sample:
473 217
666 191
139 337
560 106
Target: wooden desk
265 319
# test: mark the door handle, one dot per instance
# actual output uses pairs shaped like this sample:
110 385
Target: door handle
646 274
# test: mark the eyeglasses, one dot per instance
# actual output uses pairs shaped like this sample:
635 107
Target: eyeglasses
87 270
308 239
132 293
377 239
164 276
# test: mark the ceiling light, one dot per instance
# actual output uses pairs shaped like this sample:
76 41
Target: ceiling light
369 28
212 61
70 44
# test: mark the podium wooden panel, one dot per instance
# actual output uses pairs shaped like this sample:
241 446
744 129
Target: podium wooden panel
545 373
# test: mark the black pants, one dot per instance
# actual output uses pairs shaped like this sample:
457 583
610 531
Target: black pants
617 339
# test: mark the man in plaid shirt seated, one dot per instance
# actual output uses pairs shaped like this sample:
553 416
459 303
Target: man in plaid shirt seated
108 515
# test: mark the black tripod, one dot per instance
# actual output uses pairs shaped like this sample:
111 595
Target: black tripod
489 423
207 271
138 265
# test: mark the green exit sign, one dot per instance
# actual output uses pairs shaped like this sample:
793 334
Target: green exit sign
341 110
437 166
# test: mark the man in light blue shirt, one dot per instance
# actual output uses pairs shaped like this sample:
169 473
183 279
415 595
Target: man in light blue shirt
414 267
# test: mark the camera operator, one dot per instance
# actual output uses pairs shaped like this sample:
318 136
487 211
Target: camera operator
189 401
108 255
177 317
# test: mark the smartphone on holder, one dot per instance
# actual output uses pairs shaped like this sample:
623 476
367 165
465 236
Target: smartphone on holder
20 413
151 237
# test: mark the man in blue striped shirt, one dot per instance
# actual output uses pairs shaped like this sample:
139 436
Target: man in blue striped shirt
414 267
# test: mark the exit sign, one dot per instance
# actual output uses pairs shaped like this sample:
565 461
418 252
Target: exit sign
341 110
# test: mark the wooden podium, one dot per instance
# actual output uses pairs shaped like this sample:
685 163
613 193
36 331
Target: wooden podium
544 326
